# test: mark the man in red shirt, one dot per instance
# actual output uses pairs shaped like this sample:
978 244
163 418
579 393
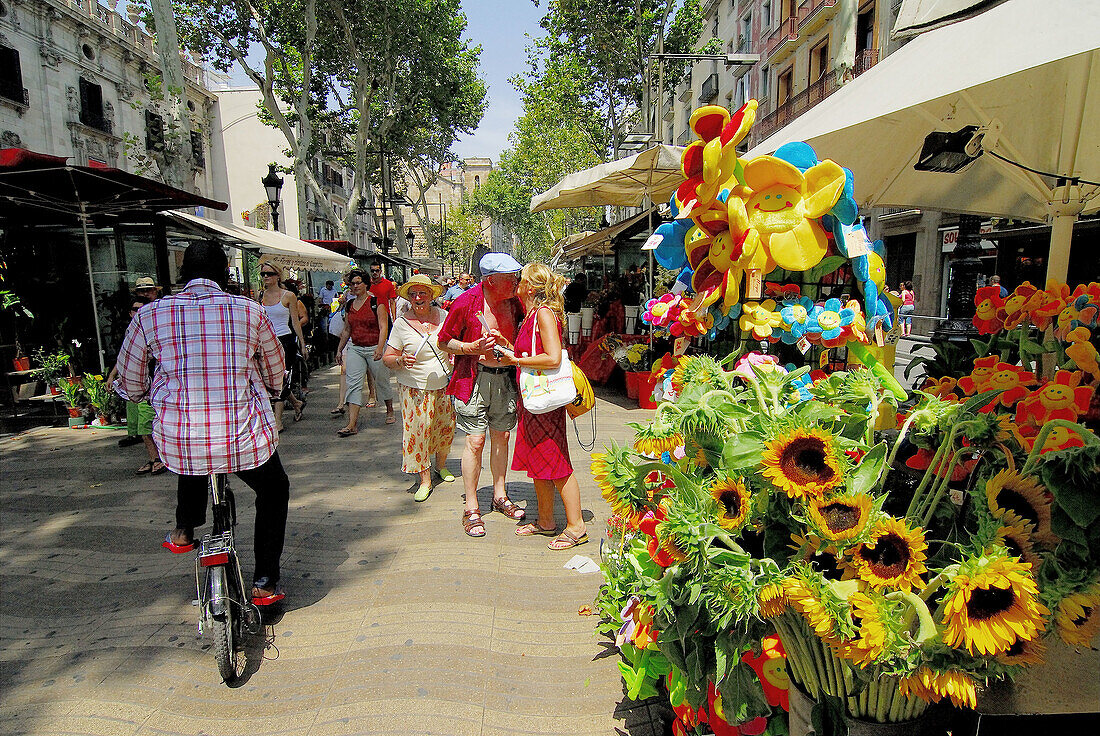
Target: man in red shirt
386 293
218 363
484 389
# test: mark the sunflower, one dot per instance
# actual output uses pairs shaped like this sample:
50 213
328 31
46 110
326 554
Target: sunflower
771 600
1023 651
802 597
932 686
803 463
653 443
698 370
893 556
1010 495
869 620
734 502
841 517
991 603
1015 535
1078 616
616 477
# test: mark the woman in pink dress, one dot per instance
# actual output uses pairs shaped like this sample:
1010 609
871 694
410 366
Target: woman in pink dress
542 448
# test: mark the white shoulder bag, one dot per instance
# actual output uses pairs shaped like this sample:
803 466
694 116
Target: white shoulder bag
546 389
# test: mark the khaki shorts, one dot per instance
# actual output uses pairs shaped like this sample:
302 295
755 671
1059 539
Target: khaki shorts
494 404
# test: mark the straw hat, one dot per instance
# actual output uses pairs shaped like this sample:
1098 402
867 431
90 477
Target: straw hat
419 280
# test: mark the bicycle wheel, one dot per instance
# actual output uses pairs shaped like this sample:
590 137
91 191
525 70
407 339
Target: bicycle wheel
223 629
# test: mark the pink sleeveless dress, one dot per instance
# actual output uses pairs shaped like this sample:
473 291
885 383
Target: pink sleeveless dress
542 447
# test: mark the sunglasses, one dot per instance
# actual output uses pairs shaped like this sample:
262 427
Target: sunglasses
268 273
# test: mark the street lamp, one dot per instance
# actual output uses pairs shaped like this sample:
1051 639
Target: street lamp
273 184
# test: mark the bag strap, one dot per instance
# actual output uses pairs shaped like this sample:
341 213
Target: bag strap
587 447
536 338
427 341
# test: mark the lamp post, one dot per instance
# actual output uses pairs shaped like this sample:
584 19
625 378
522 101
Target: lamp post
273 185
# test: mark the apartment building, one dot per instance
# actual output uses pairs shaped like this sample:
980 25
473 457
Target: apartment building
77 79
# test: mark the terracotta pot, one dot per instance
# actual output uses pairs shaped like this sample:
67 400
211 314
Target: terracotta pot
74 412
55 391
21 364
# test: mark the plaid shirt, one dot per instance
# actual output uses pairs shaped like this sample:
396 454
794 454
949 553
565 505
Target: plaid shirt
217 359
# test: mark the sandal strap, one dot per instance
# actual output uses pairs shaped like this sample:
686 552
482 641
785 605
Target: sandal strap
508 508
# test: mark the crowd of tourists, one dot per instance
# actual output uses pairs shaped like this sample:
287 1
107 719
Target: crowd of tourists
209 374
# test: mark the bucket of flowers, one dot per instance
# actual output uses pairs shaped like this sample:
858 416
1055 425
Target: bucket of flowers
755 504
106 403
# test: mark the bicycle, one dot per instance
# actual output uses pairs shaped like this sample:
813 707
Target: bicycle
224 610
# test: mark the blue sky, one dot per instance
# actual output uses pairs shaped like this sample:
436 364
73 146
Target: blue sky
499 26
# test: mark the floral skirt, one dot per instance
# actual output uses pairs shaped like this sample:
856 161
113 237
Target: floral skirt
428 426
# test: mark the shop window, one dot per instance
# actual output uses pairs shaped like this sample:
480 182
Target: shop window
11 76
819 60
91 106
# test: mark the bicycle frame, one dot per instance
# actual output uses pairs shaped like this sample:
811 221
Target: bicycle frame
219 585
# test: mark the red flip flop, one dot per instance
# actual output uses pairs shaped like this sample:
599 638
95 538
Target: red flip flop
267 600
177 549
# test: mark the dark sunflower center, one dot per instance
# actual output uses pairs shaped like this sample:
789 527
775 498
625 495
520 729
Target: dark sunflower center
1013 546
826 564
731 503
1013 501
986 603
1086 611
889 558
840 516
805 461
1016 649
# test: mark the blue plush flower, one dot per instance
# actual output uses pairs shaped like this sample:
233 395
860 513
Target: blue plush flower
801 385
795 317
722 321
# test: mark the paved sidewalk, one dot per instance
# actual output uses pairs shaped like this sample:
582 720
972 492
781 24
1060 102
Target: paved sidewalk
396 621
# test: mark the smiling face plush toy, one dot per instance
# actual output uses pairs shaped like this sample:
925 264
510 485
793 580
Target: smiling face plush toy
782 204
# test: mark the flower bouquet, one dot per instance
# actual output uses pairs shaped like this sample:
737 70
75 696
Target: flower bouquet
755 504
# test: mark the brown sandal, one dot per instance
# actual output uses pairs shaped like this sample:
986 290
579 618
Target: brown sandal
509 509
472 520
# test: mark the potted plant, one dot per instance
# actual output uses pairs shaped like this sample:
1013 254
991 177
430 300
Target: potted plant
51 367
99 396
635 361
10 302
73 392
588 312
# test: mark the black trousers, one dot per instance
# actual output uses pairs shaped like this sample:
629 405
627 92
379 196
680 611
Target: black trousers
272 487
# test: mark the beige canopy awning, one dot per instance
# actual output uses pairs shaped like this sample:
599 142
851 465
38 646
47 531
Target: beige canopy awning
599 243
654 173
285 250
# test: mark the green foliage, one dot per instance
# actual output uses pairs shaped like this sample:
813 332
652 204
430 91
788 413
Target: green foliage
951 360
50 366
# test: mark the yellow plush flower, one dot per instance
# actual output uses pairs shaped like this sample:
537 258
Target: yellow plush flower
760 319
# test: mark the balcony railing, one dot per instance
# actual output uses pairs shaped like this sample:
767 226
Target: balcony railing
709 90
97 121
784 32
864 60
789 29
795 106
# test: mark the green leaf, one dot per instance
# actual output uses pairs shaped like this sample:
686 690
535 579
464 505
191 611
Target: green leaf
865 475
742 451
817 411
719 662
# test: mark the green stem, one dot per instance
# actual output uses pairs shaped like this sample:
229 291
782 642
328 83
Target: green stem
929 474
940 489
1041 439
751 379
897 706
882 704
894 450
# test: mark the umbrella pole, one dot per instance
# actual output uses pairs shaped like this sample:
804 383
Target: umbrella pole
91 287
1061 237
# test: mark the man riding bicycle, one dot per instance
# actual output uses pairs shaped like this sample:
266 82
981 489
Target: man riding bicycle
217 364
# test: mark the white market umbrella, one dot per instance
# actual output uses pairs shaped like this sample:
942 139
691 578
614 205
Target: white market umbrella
1027 72
654 172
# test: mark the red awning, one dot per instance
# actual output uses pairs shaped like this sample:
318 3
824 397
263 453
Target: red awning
42 188
344 247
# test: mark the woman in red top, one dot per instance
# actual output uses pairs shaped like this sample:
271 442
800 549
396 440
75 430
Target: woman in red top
366 326
542 448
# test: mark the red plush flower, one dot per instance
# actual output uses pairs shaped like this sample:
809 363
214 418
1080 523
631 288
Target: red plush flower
771 668
1062 398
983 369
988 302
923 458
1014 312
1011 382
1046 305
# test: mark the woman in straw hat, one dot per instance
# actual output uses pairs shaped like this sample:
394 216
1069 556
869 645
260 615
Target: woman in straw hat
422 370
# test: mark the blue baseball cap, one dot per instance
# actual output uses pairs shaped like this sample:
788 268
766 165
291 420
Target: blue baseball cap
492 263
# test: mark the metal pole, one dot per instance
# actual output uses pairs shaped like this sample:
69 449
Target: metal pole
385 221
91 286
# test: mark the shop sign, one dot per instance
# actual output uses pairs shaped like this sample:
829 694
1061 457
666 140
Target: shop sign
950 236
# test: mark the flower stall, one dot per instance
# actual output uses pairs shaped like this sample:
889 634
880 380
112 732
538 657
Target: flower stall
791 539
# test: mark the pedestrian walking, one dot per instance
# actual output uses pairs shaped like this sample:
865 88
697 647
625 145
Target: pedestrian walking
282 309
453 292
542 447
212 414
139 414
422 370
485 393
908 306
386 293
366 328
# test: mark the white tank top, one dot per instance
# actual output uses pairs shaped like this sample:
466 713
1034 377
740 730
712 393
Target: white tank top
279 315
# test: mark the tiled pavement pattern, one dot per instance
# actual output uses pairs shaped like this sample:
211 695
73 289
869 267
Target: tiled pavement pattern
395 621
